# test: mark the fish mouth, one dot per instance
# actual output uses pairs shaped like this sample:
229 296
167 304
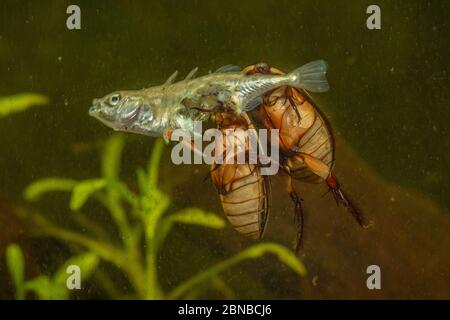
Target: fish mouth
93 111
95 107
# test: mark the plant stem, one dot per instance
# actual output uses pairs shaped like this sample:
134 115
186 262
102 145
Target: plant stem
250 253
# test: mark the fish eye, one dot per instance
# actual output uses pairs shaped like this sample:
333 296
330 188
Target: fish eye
114 99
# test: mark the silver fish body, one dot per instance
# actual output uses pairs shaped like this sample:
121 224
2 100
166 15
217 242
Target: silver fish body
157 110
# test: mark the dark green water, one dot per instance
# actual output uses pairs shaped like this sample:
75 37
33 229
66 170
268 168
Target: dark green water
389 96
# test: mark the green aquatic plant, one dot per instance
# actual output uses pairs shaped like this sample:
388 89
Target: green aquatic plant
143 227
46 287
16 266
20 102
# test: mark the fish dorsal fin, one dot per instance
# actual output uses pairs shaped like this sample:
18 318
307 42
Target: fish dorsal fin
191 74
229 68
172 78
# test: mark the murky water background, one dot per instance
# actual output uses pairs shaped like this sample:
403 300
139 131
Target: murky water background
388 105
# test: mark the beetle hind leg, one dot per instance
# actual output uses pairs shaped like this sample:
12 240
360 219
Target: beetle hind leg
299 219
298 213
342 198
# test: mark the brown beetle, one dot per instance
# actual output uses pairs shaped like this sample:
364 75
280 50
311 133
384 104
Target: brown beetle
244 192
306 142
306 154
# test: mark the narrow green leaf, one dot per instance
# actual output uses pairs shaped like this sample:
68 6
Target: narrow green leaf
198 217
46 289
112 156
128 195
83 190
20 102
192 216
283 254
164 228
142 181
223 288
38 188
153 164
105 250
154 206
111 160
16 266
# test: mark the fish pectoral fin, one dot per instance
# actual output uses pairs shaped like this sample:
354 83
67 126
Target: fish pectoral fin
167 135
206 104
189 103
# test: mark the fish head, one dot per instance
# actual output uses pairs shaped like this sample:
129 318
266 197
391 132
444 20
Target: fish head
128 111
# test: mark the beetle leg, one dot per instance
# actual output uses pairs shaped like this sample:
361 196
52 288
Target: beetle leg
294 106
342 198
290 97
315 165
270 101
298 211
202 110
299 220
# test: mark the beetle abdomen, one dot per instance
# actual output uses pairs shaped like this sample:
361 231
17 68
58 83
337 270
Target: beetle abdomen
244 192
317 141
244 197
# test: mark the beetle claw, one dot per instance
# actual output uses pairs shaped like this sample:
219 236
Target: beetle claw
299 219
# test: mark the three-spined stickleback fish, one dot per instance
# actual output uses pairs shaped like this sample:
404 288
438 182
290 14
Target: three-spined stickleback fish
158 110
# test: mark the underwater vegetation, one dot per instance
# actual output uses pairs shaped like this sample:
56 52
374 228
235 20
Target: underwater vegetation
142 224
20 102
388 106
46 287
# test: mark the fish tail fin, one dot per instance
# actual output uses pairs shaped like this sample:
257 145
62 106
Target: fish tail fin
311 76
